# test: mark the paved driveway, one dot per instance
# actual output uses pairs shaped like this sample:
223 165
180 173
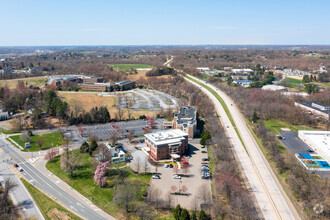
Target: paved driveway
194 182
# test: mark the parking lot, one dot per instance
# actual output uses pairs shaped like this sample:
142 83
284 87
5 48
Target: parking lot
296 146
199 189
103 131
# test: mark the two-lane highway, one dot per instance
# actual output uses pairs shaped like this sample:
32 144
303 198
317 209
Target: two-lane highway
48 186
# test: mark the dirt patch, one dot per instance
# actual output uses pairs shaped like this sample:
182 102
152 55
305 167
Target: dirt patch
12 83
56 214
142 74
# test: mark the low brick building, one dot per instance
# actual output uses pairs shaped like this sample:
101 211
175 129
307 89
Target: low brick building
167 144
109 87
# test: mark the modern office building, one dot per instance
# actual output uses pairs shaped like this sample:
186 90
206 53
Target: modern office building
167 144
315 108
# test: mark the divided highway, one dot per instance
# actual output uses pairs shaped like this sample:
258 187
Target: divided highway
272 199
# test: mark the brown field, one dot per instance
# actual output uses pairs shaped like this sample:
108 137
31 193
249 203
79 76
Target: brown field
142 74
88 100
36 81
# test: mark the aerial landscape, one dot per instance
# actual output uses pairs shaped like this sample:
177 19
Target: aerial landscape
183 110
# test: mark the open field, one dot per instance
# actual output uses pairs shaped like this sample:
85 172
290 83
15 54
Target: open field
36 81
48 208
276 126
83 182
128 67
53 139
87 100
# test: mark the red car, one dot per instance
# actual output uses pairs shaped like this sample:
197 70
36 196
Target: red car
16 165
185 163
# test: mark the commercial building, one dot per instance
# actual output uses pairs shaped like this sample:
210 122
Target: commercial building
315 108
185 120
167 144
62 79
242 71
274 88
244 83
108 87
319 141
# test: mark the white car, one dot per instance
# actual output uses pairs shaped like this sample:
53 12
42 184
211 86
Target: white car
156 177
166 165
176 176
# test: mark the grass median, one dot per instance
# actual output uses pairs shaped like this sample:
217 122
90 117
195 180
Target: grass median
223 104
48 208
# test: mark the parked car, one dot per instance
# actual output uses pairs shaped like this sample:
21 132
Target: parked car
171 165
227 126
205 159
185 163
204 152
309 150
166 165
155 176
20 169
188 157
16 165
203 146
176 176
141 140
206 169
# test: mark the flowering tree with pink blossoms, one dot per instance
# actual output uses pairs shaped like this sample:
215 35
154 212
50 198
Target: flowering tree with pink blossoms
99 175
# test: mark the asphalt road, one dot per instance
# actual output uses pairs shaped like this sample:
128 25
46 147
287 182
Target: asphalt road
42 182
268 192
293 143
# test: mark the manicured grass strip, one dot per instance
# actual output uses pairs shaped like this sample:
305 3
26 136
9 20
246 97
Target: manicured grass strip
127 67
53 139
223 105
6 131
8 139
47 206
275 126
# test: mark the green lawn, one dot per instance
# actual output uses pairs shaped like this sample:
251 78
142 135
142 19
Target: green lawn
275 126
128 67
83 182
47 205
6 131
52 139
293 83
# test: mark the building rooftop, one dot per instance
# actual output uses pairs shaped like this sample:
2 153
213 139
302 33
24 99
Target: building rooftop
317 106
124 82
320 141
166 137
243 81
187 115
273 88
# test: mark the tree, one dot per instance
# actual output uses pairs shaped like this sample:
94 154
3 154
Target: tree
254 117
84 148
70 160
184 189
306 79
114 138
51 153
104 153
177 212
203 215
137 162
92 147
40 142
204 194
184 215
130 135
206 136
169 200
126 195
99 175
25 138
7 209
145 165
173 188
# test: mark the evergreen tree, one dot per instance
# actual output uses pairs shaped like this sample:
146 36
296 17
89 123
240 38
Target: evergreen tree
254 117
205 137
92 147
184 215
84 148
177 212
203 215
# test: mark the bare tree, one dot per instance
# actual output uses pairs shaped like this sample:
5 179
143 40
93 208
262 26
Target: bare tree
169 201
184 188
155 196
76 108
40 142
51 153
137 162
145 165
70 161
114 138
204 194
7 209
126 195
130 135
104 153
174 188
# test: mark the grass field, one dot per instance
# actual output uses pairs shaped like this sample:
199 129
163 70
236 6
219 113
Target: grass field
293 83
83 182
87 100
275 126
128 67
12 83
48 208
54 138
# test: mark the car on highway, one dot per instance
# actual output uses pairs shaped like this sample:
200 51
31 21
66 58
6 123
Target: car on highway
155 176
203 151
175 176
205 159
16 165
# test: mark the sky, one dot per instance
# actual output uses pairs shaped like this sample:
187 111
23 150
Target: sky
158 22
